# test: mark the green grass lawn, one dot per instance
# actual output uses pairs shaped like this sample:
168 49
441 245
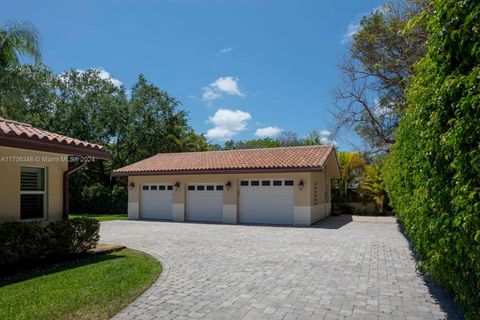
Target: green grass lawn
101 217
90 288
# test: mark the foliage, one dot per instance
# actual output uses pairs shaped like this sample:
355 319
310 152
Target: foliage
99 199
284 139
371 97
21 242
433 172
73 236
251 144
372 185
95 287
29 242
28 94
18 38
351 168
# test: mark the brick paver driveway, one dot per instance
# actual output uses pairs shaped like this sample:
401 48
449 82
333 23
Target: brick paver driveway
341 268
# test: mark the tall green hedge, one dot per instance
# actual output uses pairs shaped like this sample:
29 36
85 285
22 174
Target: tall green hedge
433 172
98 199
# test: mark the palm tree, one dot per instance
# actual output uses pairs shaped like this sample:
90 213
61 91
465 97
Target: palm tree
19 38
372 185
351 165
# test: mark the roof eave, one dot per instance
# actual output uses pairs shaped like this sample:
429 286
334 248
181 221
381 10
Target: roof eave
215 171
26 143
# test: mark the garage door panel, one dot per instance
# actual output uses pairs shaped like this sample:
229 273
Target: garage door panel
271 204
156 202
205 203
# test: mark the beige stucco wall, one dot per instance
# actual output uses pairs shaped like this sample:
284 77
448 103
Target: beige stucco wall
302 197
11 159
230 201
320 193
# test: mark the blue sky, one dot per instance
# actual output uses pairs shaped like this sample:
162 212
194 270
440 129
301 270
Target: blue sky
242 69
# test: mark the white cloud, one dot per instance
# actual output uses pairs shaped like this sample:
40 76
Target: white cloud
267 132
352 29
326 140
220 134
231 119
105 75
210 94
325 132
224 51
227 85
227 123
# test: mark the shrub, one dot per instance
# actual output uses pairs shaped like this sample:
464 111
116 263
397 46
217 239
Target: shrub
73 236
22 242
433 172
98 199
29 242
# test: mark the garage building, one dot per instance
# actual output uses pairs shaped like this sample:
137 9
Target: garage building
287 186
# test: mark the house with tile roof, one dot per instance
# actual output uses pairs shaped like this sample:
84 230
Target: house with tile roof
34 171
285 186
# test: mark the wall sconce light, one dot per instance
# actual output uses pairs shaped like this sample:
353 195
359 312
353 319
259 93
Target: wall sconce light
176 185
131 185
300 185
228 185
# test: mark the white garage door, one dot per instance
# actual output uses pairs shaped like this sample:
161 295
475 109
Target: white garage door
266 201
156 201
205 202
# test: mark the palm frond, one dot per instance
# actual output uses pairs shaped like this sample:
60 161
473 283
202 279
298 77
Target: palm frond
19 38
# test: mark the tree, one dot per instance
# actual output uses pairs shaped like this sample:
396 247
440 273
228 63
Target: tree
372 185
351 167
18 38
433 173
288 139
316 137
28 94
284 139
371 97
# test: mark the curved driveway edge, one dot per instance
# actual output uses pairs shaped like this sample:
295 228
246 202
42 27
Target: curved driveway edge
343 268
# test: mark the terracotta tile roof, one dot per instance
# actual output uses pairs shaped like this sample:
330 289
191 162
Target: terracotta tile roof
23 135
291 158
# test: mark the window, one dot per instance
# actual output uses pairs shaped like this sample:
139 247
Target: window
32 193
210 188
265 182
145 188
254 183
200 188
289 182
219 188
191 188
161 188
155 188
277 182
169 188
244 183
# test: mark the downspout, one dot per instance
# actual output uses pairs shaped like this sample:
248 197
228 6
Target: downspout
66 175
326 190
